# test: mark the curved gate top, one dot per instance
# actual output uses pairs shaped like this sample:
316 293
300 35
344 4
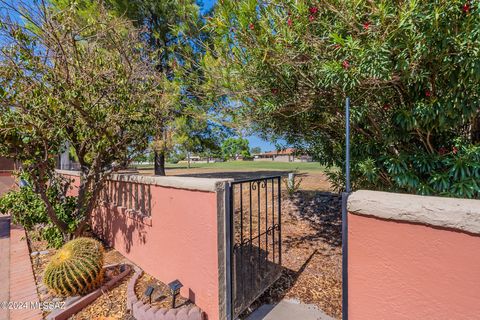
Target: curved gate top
255 239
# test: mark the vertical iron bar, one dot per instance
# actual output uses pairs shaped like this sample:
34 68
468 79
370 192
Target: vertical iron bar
230 242
347 133
279 221
345 214
251 240
232 246
273 219
266 224
259 224
241 241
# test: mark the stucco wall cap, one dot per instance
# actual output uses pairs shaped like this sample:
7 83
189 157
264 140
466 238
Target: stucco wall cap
461 214
189 183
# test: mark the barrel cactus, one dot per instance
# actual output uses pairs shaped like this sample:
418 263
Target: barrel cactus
77 268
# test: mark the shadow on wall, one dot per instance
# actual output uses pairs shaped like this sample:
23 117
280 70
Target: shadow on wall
126 211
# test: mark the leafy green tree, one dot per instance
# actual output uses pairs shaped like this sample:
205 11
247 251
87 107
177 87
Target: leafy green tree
256 150
175 29
411 68
92 85
233 147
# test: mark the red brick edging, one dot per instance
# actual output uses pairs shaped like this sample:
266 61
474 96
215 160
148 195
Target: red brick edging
23 290
143 311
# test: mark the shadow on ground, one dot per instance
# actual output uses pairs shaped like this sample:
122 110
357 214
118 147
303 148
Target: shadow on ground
279 289
322 210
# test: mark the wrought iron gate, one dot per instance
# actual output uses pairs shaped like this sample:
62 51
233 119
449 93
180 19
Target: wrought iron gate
255 239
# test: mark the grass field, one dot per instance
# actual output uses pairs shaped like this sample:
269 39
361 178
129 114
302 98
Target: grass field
248 165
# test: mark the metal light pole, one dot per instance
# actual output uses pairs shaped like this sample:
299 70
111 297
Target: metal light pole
345 214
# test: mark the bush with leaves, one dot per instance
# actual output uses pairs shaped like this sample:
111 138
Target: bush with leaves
27 209
411 68
83 82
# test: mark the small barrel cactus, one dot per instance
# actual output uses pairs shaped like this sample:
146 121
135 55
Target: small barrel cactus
77 268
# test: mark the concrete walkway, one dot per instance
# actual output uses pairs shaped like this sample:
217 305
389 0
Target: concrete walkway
23 289
6 182
4 264
17 284
289 310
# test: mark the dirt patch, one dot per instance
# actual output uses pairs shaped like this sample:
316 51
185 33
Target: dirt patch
311 253
161 297
110 305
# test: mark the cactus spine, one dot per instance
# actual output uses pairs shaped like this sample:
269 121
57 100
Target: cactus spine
77 268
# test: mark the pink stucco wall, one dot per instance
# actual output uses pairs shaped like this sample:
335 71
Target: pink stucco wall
179 240
404 271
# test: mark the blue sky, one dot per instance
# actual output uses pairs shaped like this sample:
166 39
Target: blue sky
208 4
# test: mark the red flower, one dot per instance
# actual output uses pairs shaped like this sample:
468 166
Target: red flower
466 7
428 93
311 18
313 10
275 91
454 150
337 46
251 26
366 25
346 64
442 151
386 107
289 22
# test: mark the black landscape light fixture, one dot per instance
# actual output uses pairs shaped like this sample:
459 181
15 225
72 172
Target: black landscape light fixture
175 287
149 292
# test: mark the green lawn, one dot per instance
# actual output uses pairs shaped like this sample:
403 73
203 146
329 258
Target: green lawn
250 165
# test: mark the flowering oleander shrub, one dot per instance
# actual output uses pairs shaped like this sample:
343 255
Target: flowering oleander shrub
411 68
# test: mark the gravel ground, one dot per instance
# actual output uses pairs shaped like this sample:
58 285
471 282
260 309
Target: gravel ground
312 255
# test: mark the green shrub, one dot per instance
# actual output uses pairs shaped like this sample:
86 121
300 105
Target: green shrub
77 268
27 209
411 69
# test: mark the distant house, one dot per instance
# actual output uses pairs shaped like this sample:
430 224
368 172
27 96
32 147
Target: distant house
201 159
285 155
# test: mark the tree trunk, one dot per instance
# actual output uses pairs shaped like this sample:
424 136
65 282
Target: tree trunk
159 163
476 129
188 156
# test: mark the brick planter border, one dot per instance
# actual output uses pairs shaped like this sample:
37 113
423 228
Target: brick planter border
89 298
142 311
